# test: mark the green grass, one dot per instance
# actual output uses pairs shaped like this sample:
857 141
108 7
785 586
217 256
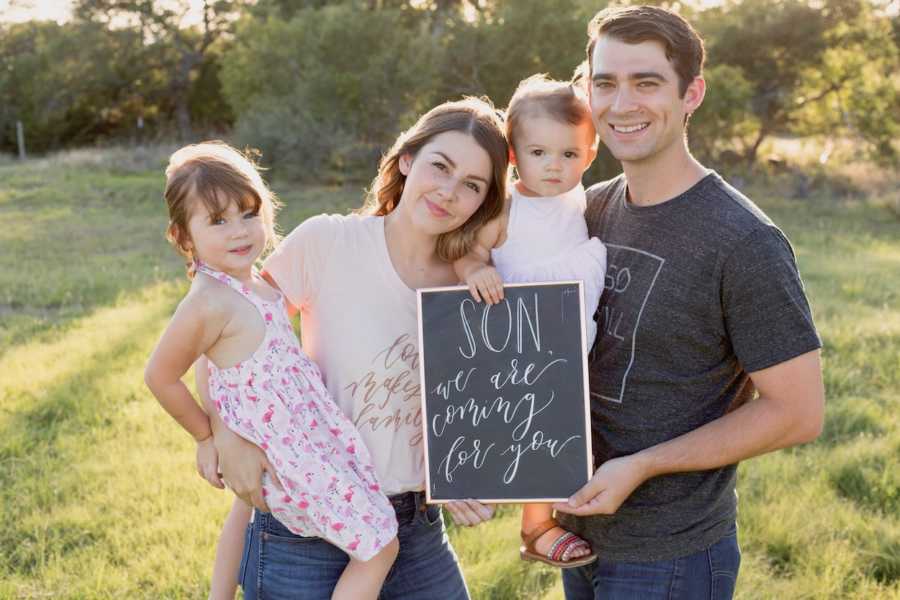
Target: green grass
97 490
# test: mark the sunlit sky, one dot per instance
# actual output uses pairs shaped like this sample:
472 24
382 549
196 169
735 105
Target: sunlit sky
60 10
14 10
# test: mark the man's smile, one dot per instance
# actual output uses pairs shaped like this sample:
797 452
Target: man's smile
629 128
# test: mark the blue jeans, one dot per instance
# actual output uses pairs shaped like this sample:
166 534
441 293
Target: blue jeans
708 574
279 565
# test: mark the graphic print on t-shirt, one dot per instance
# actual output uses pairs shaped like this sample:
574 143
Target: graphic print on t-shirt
388 392
630 276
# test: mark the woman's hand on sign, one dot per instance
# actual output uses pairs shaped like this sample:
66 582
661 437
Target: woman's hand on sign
611 484
243 464
486 284
469 512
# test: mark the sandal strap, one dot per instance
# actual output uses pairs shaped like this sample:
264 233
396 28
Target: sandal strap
538 530
574 545
562 543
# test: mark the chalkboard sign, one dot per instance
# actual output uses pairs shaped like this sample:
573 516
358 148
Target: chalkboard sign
505 393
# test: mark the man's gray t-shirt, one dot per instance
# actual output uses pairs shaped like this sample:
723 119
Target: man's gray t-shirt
700 291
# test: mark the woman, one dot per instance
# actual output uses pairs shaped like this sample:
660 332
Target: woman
353 278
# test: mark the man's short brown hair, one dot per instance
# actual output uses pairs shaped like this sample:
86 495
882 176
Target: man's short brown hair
636 24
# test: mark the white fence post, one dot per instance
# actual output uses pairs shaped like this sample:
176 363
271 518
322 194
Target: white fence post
20 137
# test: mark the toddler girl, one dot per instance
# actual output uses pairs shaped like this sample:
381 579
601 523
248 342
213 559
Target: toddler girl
265 388
541 235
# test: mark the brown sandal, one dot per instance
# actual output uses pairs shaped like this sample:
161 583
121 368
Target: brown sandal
559 550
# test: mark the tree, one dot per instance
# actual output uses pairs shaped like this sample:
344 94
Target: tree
725 115
810 68
66 83
502 46
170 44
324 92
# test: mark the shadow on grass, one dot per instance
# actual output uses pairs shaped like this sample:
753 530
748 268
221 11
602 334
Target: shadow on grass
47 435
511 583
872 482
885 564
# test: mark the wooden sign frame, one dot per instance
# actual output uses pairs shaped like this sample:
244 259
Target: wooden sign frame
423 360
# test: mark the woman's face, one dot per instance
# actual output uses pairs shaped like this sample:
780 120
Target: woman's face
446 182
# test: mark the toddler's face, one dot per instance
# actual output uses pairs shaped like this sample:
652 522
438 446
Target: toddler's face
550 156
229 242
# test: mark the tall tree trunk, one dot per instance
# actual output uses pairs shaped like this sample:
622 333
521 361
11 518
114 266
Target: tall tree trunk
183 118
180 89
750 154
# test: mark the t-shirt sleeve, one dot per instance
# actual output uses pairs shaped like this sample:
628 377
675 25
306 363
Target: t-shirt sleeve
767 315
300 261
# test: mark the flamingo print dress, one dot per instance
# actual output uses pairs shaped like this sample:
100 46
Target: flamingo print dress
276 399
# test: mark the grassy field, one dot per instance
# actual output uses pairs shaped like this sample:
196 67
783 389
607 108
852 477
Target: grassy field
99 496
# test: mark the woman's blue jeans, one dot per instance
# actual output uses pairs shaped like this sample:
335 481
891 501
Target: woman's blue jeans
708 574
279 565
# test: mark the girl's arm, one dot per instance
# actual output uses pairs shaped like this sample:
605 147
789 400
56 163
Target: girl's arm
475 267
193 330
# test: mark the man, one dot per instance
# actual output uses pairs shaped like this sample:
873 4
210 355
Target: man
703 308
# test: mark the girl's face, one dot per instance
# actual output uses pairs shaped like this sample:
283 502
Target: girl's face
446 182
550 156
230 242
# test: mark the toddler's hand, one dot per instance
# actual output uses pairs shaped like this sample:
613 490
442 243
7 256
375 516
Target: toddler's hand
485 283
208 462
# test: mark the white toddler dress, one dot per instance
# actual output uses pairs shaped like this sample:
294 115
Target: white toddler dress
547 240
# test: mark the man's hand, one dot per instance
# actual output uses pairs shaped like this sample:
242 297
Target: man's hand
243 465
485 283
469 512
611 484
208 463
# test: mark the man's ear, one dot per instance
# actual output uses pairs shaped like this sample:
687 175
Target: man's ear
405 163
693 96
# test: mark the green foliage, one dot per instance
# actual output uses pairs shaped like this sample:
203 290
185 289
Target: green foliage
500 48
725 114
775 67
321 93
324 93
177 49
811 68
58 81
323 87
90 79
206 104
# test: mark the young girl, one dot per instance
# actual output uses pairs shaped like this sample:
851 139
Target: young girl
541 235
221 216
